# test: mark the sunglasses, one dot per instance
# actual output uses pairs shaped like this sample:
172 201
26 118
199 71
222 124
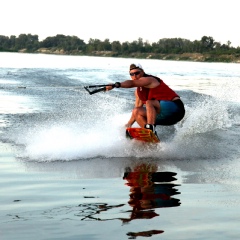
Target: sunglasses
135 73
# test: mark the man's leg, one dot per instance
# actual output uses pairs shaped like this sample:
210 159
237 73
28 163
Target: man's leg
140 116
147 116
153 108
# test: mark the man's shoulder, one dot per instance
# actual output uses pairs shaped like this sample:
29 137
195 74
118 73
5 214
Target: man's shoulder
148 77
147 80
151 78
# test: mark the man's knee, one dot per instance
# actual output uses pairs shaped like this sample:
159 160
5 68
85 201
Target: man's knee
150 102
137 110
153 104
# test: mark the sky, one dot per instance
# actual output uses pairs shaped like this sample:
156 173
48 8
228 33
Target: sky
124 20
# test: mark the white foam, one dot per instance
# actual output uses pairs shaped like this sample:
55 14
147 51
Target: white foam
107 138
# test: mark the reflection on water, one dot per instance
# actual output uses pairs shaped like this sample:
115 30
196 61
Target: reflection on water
13 104
149 189
91 211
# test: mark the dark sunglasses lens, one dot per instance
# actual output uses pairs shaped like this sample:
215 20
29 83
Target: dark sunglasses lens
135 73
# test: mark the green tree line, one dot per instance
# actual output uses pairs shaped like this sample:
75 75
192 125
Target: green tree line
70 44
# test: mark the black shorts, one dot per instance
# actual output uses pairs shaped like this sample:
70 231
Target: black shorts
171 112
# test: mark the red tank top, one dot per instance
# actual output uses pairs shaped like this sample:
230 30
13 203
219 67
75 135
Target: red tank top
161 92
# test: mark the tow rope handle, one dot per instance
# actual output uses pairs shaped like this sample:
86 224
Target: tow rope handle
100 88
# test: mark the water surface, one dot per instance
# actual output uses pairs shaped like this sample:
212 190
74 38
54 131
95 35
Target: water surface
68 172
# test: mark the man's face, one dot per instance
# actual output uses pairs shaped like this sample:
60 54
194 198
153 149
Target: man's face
136 73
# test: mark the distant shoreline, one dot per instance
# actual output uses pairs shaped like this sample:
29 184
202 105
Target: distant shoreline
177 49
195 57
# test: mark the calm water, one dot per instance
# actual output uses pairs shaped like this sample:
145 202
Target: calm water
67 171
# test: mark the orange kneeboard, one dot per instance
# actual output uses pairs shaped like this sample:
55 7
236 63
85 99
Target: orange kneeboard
142 134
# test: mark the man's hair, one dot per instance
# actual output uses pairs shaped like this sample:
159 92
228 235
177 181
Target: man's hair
135 66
